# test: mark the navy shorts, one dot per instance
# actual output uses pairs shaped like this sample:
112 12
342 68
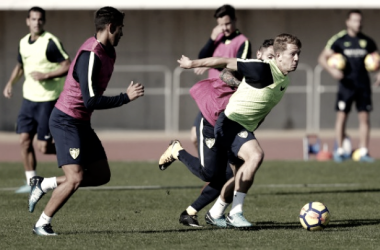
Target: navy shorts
348 94
212 158
230 135
34 118
75 141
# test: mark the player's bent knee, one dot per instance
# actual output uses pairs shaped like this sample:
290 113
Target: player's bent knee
25 141
255 157
258 156
74 181
42 148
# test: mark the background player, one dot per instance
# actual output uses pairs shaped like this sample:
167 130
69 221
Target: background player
43 62
263 86
354 82
79 151
225 41
211 159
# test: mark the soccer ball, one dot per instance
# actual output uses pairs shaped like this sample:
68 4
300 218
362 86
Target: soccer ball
314 216
356 155
337 61
372 61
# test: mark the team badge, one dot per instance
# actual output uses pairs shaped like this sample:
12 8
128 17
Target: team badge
227 42
347 44
363 43
243 134
74 152
210 142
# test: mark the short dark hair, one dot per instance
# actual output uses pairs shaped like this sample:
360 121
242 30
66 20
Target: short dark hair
353 12
225 10
267 43
282 40
107 15
38 9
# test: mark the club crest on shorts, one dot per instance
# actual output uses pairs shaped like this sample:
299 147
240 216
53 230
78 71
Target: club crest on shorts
243 134
210 142
74 152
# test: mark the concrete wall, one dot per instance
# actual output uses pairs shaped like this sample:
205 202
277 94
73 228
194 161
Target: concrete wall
154 37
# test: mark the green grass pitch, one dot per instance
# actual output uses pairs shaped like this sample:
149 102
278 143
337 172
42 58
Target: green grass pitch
124 218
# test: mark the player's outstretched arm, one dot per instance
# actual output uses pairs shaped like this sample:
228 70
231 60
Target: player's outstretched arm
17 72
228 77
134 91
322 59
211 62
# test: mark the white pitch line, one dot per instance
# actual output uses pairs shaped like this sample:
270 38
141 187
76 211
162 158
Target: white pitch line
306 185
196 187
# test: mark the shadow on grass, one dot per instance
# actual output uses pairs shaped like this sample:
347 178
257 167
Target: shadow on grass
270 225
326 192
261 225
187 230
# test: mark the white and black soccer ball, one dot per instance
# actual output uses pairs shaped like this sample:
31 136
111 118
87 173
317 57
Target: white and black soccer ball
314 216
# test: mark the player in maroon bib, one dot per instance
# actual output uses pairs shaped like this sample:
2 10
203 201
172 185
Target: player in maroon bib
80 153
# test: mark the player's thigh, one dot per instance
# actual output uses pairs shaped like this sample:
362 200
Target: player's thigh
26 122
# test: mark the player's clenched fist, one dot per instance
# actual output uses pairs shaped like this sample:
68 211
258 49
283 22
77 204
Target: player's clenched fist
8 91
185 62
135 90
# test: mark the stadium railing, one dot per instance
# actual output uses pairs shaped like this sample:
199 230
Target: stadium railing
320 89
166 90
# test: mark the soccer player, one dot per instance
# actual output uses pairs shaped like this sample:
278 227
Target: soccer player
80 153
354 82
44 64
225 41
208 166
262 87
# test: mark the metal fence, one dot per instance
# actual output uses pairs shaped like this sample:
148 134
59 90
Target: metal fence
172 91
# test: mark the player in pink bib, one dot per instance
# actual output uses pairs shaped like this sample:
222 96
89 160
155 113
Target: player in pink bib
80 153
211 96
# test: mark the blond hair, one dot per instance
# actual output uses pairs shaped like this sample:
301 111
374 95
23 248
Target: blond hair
282 40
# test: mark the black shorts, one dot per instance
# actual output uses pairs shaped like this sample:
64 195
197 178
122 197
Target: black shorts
212 158
34 118
347 95
75 141
231 136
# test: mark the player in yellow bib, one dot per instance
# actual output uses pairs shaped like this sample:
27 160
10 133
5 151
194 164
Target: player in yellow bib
262 87
44 64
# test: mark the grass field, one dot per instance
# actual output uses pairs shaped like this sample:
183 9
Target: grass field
123 218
